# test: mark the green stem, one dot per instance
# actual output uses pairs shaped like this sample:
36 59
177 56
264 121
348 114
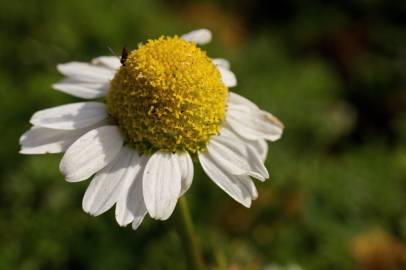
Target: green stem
189 239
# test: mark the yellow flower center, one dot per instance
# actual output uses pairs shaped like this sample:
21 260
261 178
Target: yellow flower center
168 96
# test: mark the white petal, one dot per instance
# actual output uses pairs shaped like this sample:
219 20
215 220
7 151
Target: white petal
90 153
39 140
130 205
87 90
106 186
70 116
250 186
112 62
231 184
161 185
237 99
227 77
201 36
220 62
236 158
86 72
138 220
186 168
259 146
256 162
253 124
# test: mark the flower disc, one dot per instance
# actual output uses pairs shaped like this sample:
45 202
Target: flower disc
168 96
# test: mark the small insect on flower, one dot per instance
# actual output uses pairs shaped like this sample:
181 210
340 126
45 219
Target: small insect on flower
124 55
165 102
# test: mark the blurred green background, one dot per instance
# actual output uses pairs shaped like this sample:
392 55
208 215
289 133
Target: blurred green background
334 73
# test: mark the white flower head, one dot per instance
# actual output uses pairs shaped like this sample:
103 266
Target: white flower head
165 103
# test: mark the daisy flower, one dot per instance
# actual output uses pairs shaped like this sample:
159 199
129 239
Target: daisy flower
164 105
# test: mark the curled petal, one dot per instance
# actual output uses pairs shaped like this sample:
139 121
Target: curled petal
236 158
253 124
233 185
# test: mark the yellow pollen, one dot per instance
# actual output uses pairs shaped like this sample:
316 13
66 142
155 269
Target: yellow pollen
168 96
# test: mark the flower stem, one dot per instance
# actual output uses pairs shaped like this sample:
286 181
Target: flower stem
189 239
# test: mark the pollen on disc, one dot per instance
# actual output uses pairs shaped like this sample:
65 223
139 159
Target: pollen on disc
168 96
